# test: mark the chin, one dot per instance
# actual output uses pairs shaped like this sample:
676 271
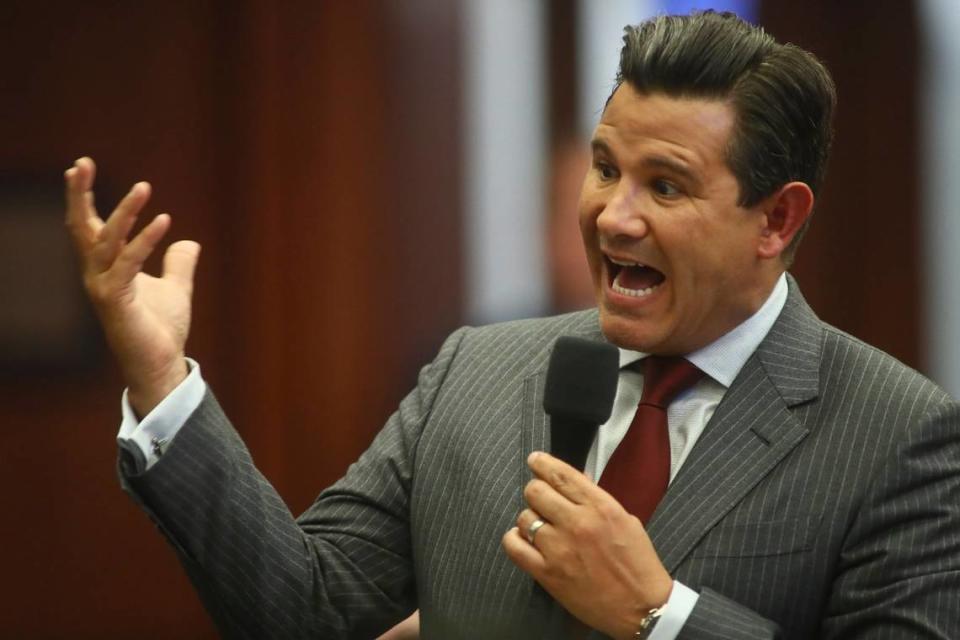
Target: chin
629 333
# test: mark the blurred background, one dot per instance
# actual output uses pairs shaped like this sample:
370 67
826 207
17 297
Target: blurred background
364 177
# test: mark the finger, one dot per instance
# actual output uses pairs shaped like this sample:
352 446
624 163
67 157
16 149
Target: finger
523 554
81 219
569 482
526 518
180 262
113 236
130 261
548 502
89 175
88 171
544 534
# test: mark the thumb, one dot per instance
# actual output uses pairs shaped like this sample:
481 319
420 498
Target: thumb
180 261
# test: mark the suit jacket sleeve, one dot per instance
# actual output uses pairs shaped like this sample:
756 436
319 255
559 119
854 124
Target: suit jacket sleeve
898 573
343 569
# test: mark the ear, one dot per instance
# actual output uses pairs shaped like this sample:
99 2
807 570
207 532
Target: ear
784 213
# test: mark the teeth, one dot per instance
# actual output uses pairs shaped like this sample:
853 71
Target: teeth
636 293
624 263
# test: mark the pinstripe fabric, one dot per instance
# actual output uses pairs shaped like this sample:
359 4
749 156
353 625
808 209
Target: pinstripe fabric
823 500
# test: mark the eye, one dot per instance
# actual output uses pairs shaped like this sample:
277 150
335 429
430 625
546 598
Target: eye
606 170
665 188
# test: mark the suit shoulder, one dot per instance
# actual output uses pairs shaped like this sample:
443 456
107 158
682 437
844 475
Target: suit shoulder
875 372
577 322
528 340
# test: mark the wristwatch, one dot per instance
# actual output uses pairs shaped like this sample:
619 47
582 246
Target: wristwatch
649 622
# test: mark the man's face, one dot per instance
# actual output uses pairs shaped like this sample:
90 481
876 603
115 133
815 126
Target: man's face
673 257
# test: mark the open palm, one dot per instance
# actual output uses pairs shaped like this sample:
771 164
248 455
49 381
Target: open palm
146 319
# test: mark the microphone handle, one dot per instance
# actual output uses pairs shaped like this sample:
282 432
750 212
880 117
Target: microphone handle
570 440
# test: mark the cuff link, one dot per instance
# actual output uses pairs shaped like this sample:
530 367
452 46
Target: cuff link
157 445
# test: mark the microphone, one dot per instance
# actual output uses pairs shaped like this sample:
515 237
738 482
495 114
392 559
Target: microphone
581 385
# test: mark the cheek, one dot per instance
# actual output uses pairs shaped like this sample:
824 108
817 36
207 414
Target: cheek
584 207
588 228
591 250
585 222
589 205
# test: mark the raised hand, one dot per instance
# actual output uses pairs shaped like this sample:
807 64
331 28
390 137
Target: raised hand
146 319
591 555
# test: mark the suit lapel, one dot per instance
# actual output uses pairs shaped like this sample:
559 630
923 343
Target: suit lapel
752 430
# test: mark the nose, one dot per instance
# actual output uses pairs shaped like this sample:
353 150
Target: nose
623 214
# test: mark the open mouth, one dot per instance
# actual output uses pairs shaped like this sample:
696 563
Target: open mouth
633 279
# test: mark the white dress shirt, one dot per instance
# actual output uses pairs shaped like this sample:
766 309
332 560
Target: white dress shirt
687 416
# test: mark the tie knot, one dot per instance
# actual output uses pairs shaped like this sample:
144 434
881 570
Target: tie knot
664 377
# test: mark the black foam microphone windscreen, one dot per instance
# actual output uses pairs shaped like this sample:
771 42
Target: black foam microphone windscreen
581 385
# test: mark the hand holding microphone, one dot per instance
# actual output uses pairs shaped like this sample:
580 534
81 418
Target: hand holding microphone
590 554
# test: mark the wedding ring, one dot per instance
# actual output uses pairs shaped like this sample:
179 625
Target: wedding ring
533 528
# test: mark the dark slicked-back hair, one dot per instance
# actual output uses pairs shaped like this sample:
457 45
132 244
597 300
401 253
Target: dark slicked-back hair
783 97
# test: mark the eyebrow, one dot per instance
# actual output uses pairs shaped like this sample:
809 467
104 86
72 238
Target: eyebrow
663 162
599 146
655 161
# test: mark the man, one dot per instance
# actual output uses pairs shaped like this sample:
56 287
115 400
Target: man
814 481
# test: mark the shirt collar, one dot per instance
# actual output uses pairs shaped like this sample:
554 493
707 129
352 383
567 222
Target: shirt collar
723 358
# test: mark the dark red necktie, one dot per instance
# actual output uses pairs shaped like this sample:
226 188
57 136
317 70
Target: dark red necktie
639 469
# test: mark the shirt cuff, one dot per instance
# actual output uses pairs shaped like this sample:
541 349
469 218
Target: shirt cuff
679 605
156 431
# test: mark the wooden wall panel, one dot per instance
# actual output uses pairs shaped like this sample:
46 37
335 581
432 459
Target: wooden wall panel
284 138
125 86
860 264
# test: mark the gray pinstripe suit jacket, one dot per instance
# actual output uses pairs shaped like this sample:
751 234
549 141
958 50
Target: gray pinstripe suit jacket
823 500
